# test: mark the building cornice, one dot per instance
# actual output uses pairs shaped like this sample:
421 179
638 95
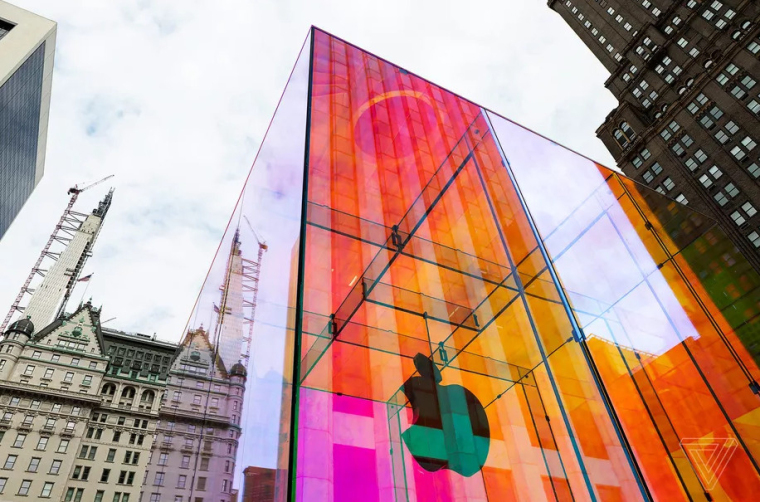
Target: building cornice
48 392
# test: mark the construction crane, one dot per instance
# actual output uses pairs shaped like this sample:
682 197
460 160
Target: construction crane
251 271
64 231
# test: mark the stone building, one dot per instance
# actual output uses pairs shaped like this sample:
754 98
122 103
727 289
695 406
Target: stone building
193 458
686 75
79 408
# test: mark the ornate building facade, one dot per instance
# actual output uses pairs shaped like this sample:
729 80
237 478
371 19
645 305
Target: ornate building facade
197 439
79 408
685 74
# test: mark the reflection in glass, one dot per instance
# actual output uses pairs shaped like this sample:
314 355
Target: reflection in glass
451 308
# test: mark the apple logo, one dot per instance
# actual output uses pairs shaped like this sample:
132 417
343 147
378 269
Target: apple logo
449 427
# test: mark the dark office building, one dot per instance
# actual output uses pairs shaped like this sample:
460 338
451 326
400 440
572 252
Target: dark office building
258 484
27 47
686 75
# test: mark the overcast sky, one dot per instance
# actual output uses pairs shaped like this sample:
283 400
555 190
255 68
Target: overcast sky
173 97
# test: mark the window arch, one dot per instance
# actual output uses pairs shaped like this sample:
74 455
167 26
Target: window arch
108 389
627 131
619 138
147 397
128 392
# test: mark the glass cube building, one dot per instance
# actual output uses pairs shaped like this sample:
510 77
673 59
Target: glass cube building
454 308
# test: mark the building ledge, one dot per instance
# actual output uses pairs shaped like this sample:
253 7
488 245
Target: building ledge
48 391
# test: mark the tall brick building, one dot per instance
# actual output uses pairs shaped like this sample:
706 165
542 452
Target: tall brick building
686 75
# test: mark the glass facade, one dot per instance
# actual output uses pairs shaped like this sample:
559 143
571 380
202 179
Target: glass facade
454 308
20 102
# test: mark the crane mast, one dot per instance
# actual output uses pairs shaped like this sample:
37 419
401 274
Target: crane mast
251 271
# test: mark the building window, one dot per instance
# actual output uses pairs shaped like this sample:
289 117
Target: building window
731 190
697 104
10 461
754 170
182 479
155 497
111 455
624 135
738 218
88 452
682 199
34 464
159 479
76 496
99 496
185 461
87 380
47 488
29 371
201 484
36 354
68 377
81 472
3 481
754 46
671 129
728 72
25 486
63 446
738 153
55 467
707 122
754 238
749 209
19 442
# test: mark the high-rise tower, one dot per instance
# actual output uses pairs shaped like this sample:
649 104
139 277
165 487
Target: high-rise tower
229 335
49 298
686 76
27 48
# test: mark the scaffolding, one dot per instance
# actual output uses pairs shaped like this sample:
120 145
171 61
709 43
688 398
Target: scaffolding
64 232
238 299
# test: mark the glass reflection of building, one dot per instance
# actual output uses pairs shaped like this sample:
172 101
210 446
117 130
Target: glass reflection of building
427 253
